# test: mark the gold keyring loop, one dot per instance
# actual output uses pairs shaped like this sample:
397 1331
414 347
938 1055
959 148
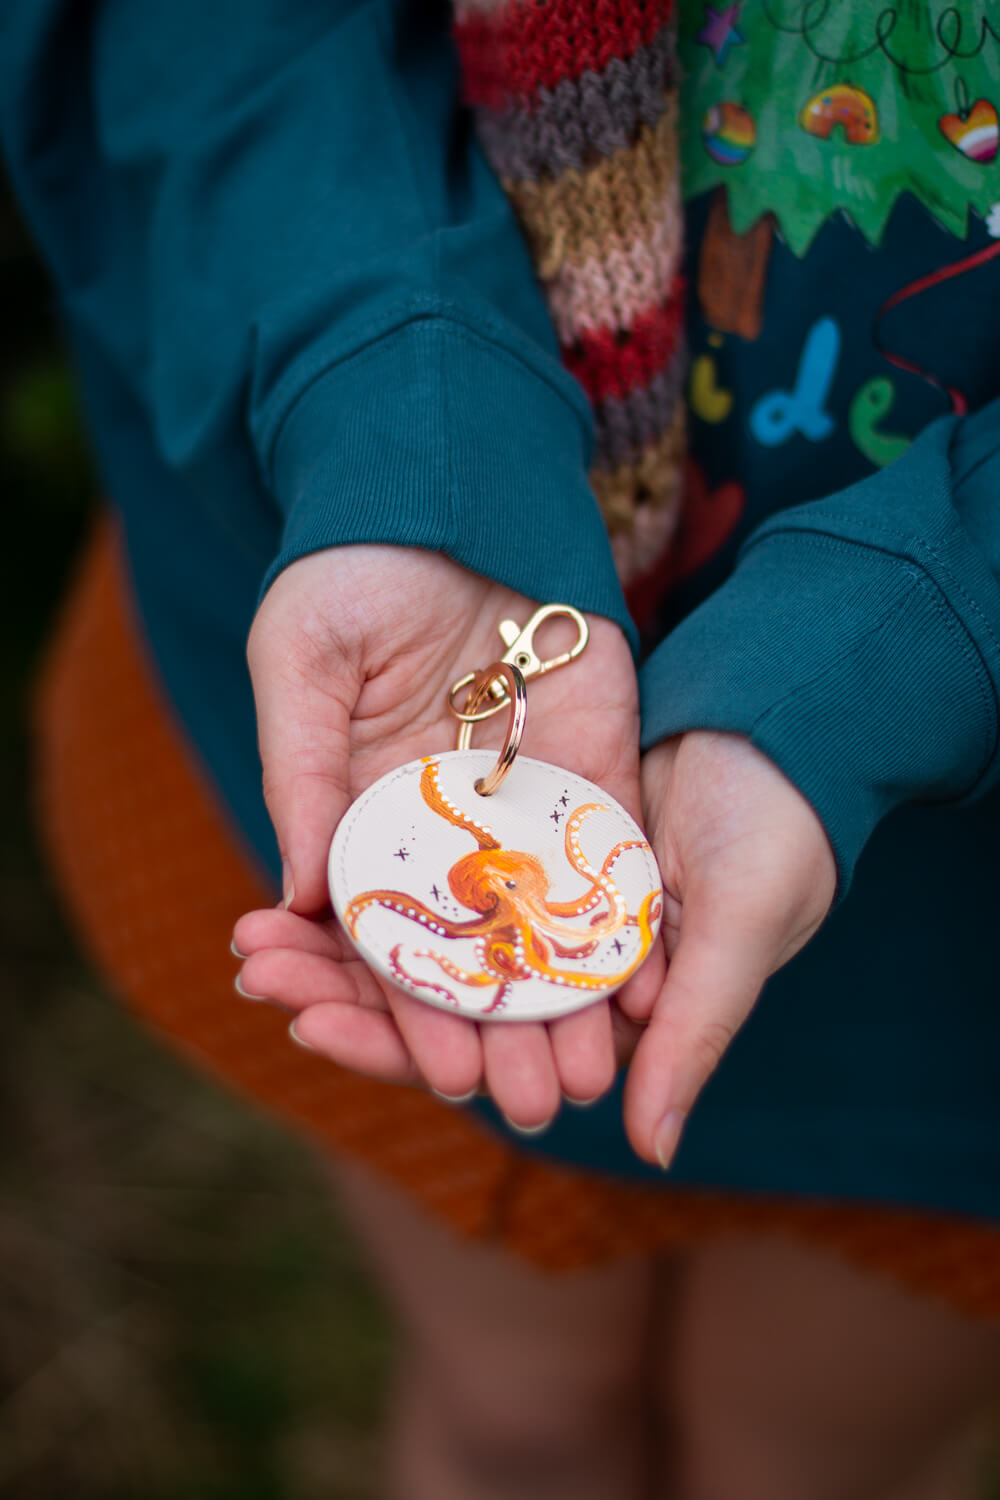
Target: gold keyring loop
521 653
517 690
502 702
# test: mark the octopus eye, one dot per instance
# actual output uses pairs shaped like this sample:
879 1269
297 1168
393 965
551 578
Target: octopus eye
511 885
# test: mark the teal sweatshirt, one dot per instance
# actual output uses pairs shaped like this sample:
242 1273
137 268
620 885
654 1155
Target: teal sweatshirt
304 317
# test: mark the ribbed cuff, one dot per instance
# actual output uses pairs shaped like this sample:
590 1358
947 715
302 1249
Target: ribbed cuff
845 665
436 437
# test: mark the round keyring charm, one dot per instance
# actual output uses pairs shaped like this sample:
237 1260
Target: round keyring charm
525 904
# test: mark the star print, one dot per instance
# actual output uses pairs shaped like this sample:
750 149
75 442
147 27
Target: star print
719 32
401 854
555 815
435 893
616 945
564 800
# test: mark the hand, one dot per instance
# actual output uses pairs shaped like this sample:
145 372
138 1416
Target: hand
749 875
352 653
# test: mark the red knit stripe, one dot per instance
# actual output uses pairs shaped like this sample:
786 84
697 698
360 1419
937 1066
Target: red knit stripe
508 54
612 363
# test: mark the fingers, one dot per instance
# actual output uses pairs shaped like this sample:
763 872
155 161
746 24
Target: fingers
304 704
301 966
306 788
339 1007
365 1041
527 1068
445 1048
307 969
272 928
710 988
521 1073
296 980
583 1050
626 1035
638 995
342 1012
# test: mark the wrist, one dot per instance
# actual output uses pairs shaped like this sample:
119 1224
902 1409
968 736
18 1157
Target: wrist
439 438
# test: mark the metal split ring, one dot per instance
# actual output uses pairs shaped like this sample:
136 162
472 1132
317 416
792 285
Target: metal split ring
517 702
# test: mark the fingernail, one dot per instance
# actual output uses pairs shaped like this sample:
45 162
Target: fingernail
582 1103
300 1041
240 990
236 952
287 884
455 1098
527 1129
668 1134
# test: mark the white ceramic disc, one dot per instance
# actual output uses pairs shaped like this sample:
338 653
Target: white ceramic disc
525 905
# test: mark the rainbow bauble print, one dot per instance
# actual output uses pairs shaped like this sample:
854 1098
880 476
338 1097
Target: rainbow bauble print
729 133
973 131
844 105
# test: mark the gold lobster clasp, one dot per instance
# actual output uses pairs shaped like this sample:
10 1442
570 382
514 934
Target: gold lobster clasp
520 653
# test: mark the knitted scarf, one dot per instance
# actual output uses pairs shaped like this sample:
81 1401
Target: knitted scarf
575 103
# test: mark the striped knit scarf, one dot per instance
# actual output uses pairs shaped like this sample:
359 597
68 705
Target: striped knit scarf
575 104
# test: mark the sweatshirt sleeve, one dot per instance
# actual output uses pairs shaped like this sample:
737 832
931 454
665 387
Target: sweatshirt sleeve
857 641
273 216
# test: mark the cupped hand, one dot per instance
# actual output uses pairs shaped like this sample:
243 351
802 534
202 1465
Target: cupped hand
352 653
749 875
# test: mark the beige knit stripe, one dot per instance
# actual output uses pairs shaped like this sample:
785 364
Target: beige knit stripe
648 538
651 482
628 278
572 217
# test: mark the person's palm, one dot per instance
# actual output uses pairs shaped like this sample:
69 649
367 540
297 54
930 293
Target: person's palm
352 654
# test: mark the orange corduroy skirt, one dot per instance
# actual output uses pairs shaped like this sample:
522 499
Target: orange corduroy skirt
154 880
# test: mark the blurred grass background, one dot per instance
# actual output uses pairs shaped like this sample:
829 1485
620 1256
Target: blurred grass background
181 1314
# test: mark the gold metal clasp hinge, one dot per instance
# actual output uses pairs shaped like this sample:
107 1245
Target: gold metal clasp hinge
520 653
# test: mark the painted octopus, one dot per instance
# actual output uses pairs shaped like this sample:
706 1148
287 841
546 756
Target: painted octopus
517 930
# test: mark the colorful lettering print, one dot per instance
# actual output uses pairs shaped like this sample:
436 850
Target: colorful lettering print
871 403
779 415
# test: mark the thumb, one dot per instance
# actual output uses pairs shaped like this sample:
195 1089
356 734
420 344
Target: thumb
712 983
303 730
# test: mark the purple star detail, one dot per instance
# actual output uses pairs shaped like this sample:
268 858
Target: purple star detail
719 32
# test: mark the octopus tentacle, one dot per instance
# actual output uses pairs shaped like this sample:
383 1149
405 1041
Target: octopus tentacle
430 790
409 906
574 851
617 915
455 971
621 849
581 864
648 913
402 977
563 952
499 999
602 924
602 884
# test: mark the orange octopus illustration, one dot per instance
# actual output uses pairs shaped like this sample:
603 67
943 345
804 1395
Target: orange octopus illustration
517 930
